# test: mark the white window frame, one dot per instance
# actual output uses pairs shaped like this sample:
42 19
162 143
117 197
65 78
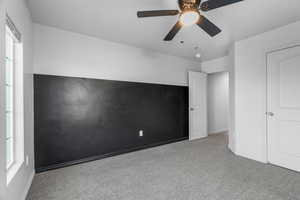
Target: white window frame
16 101
9 90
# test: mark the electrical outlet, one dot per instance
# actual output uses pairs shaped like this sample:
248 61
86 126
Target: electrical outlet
27 160
141 133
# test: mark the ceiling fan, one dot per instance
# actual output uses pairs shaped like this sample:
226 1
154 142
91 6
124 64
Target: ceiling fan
190 14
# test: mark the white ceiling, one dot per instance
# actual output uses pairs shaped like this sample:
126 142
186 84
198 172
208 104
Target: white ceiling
116 20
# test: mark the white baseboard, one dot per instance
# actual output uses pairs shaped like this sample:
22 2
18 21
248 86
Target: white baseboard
28 185
218 131
251 157
231 149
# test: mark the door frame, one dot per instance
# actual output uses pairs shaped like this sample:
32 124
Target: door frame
268 94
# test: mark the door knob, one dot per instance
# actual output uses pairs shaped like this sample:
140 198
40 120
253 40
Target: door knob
271 114
192 109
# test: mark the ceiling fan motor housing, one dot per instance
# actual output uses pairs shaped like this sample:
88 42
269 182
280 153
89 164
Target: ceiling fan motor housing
189 5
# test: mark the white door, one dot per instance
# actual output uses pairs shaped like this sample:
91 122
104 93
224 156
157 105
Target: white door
198 105
284 108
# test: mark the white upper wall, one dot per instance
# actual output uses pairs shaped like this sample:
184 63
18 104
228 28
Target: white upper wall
59 52
250 88
19 185
216 65
217 96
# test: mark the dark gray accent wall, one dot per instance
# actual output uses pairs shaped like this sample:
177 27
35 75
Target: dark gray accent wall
79 119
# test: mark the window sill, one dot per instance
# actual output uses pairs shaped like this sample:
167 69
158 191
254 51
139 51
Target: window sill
12 171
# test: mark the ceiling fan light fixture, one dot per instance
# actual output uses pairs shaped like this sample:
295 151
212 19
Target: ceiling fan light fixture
189 18
198 55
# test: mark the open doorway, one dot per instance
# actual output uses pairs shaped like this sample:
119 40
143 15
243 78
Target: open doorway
218 103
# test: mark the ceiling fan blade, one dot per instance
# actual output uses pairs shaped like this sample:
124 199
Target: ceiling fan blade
213 4
157 13
197 2
208 26
173 31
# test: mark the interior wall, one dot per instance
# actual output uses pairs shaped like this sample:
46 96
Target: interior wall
59 52
250 88
63 53
216 65
104 118
231 112
217 95
18 187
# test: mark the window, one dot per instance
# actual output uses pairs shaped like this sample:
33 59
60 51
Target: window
13 100
9 91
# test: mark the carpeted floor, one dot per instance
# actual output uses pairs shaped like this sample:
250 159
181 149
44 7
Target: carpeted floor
198 170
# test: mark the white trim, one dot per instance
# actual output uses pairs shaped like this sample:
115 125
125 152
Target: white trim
17 111
249 157
231 150
10 48
112 79
28 185
218 131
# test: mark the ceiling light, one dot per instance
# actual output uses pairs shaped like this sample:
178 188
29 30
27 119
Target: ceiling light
198 55
190 17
